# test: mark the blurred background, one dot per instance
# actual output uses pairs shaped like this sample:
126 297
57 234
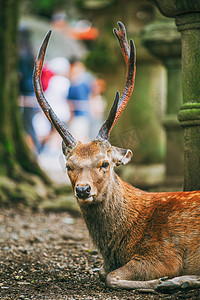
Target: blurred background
84 68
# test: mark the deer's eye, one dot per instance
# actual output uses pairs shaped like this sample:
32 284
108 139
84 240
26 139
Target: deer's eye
105 165
68 168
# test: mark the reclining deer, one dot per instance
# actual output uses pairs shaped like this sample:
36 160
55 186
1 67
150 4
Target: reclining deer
147 240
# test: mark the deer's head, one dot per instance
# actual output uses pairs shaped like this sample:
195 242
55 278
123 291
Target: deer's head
90 166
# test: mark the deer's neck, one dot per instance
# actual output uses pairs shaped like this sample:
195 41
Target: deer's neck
115 212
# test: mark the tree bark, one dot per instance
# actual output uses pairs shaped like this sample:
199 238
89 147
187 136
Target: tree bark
15 156
18 168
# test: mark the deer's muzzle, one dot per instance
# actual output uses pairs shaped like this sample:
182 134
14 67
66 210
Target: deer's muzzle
83 191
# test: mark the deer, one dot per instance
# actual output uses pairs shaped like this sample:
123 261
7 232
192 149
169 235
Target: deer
148 240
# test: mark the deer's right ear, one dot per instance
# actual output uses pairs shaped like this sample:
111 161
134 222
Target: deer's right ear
121 156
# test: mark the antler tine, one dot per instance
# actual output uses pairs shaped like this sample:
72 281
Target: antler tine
130 80
37 74
129 56
48 111
106 127
121 36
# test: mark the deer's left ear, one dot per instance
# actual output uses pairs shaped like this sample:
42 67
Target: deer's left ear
121 156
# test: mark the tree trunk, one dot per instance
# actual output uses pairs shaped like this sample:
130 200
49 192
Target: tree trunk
16 159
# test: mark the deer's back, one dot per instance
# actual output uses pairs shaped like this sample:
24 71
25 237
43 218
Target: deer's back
169 229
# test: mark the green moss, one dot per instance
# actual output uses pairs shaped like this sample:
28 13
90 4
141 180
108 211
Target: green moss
35 194
62 203
13 192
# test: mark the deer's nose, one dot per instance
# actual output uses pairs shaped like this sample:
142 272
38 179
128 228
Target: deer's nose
83 191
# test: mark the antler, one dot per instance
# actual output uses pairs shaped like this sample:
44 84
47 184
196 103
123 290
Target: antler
60 126
116 109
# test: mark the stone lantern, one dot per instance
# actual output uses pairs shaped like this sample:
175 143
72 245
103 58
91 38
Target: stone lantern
164 41
187 17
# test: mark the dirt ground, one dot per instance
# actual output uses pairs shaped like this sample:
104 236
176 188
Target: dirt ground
50 256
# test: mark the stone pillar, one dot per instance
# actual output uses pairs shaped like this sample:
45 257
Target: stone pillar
187 14
174 131
163 40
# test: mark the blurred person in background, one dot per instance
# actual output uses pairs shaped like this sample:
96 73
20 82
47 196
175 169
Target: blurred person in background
28 103
57 87
46 76
78 99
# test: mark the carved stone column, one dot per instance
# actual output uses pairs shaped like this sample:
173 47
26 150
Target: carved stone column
164 41
187 15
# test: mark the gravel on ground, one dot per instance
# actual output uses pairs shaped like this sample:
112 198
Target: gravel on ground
50 256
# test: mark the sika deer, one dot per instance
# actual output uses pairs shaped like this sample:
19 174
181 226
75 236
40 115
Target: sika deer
143 237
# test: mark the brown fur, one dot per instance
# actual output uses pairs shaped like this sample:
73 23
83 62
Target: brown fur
141 235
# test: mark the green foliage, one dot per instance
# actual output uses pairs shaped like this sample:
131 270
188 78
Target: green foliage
47 7
80 4
100 58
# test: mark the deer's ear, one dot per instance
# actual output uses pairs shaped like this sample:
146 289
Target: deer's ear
121 156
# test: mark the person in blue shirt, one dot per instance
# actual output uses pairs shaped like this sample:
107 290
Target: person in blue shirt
79 101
